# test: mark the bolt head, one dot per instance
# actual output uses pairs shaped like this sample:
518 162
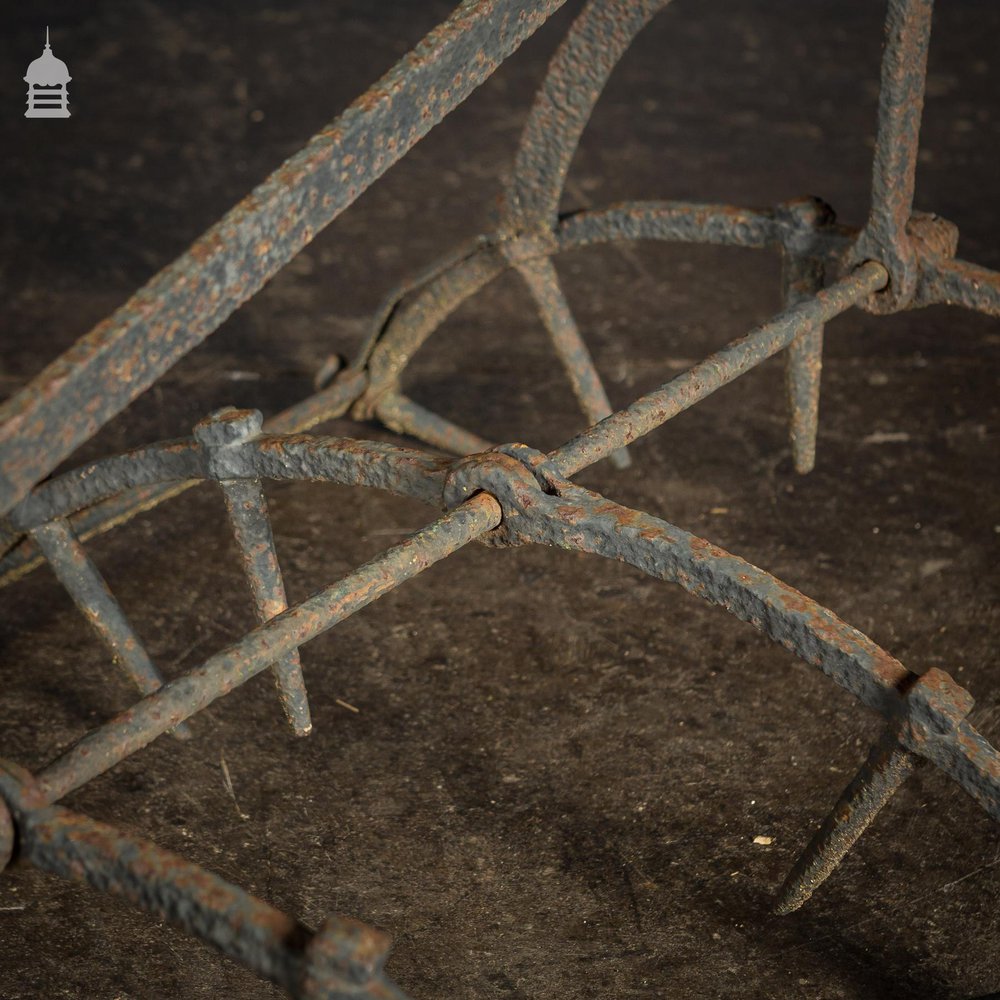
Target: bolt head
228 426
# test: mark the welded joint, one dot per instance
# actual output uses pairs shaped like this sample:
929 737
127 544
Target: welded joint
222 436
520 247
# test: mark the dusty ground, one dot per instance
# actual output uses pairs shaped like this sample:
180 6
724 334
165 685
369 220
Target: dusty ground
558 767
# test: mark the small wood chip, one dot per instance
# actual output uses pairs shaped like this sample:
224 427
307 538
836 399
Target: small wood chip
350 708
764 841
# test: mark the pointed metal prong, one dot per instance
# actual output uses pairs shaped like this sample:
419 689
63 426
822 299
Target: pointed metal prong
247 509
540 276
802 276
887 767
91 594
401 414
803 363
251 526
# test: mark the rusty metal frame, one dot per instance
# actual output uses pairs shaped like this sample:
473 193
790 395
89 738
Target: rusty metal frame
505 495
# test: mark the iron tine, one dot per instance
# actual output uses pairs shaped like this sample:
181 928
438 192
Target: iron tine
91 594
540 276
802 276
248 517
251 525
401 414
889 764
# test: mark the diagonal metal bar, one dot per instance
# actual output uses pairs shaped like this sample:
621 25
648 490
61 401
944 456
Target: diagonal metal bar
189 694
90 592
655 408
247 509
188 300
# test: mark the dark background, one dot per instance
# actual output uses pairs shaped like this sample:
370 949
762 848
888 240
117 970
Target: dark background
558 769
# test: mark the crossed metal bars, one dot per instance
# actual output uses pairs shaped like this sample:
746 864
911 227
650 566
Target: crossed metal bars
506 495
511 495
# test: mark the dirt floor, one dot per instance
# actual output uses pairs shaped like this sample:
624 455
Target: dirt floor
558 767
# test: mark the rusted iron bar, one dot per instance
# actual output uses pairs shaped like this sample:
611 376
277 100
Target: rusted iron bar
540 506
79 392
344 959
247 509
189 694
735 359
76 571
508 495
894 167
943 280
577 73
514 495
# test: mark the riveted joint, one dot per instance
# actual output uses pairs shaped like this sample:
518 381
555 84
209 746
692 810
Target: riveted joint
221 435
932 709
519 478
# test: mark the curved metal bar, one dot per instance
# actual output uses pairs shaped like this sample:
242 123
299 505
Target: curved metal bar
165 462
540 506
413 321
346 461
410 323
21 555
564 103
788 617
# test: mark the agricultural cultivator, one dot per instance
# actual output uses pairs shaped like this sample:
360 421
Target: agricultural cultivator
501 495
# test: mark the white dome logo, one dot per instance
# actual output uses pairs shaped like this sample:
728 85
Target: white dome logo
47 79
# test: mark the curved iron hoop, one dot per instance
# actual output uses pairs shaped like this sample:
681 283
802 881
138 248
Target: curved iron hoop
507 496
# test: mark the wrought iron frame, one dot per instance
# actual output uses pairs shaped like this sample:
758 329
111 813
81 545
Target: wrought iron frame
503 495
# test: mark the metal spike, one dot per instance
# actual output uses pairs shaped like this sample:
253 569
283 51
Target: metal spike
251 526
91 594
540 276
802 276
888 766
